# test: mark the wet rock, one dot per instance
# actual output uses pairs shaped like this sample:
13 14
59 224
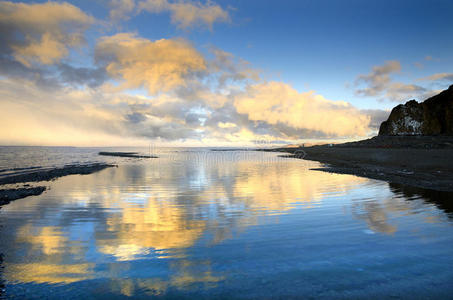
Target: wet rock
7 195
24 175
126 154
47 174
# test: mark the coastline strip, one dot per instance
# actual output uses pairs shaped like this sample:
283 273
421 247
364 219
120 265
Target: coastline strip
42 174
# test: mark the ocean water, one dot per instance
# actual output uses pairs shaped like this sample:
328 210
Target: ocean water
201 224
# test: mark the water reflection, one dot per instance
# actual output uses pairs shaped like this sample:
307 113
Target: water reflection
443 200
375 215
191 223
47 272
157 223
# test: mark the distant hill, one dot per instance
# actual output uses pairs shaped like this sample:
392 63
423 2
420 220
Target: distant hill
434 116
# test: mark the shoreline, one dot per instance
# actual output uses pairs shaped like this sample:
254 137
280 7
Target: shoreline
27 175
423 162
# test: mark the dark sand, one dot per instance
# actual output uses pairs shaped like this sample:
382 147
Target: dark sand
25 175
424 162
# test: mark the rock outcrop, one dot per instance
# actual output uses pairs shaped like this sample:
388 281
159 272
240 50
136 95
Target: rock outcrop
434 116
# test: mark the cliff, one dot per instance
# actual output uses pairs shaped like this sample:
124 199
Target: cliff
434 116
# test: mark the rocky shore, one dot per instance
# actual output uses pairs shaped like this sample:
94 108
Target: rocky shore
414 147
126 154
8 195
10 178
417 161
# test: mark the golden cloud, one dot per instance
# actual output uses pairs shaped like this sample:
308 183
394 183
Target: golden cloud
279 103
42 32
158 66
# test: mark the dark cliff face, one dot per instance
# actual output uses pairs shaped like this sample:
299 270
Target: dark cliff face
434 116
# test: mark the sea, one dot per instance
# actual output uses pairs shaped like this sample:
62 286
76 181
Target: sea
218 223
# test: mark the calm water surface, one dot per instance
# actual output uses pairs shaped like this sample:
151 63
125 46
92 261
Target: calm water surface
202 224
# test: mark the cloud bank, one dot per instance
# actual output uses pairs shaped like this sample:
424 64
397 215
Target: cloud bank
278 103
134 90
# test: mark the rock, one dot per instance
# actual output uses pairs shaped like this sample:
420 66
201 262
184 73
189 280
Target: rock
434 116
47 174
7 195
126 154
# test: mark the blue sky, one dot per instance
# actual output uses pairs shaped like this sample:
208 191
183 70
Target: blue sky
320 46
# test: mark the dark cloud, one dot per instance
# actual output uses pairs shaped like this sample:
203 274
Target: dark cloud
135 117
230 69
378 83
42 76
193 118
53 77
91 77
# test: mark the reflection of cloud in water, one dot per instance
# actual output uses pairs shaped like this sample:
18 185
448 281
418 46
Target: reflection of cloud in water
42 272
162 209
125 252
158 224
375 215
49 247
188 275
49 239
269 189
241 192
381 214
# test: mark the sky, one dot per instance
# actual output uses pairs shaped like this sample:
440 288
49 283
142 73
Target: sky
215 73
